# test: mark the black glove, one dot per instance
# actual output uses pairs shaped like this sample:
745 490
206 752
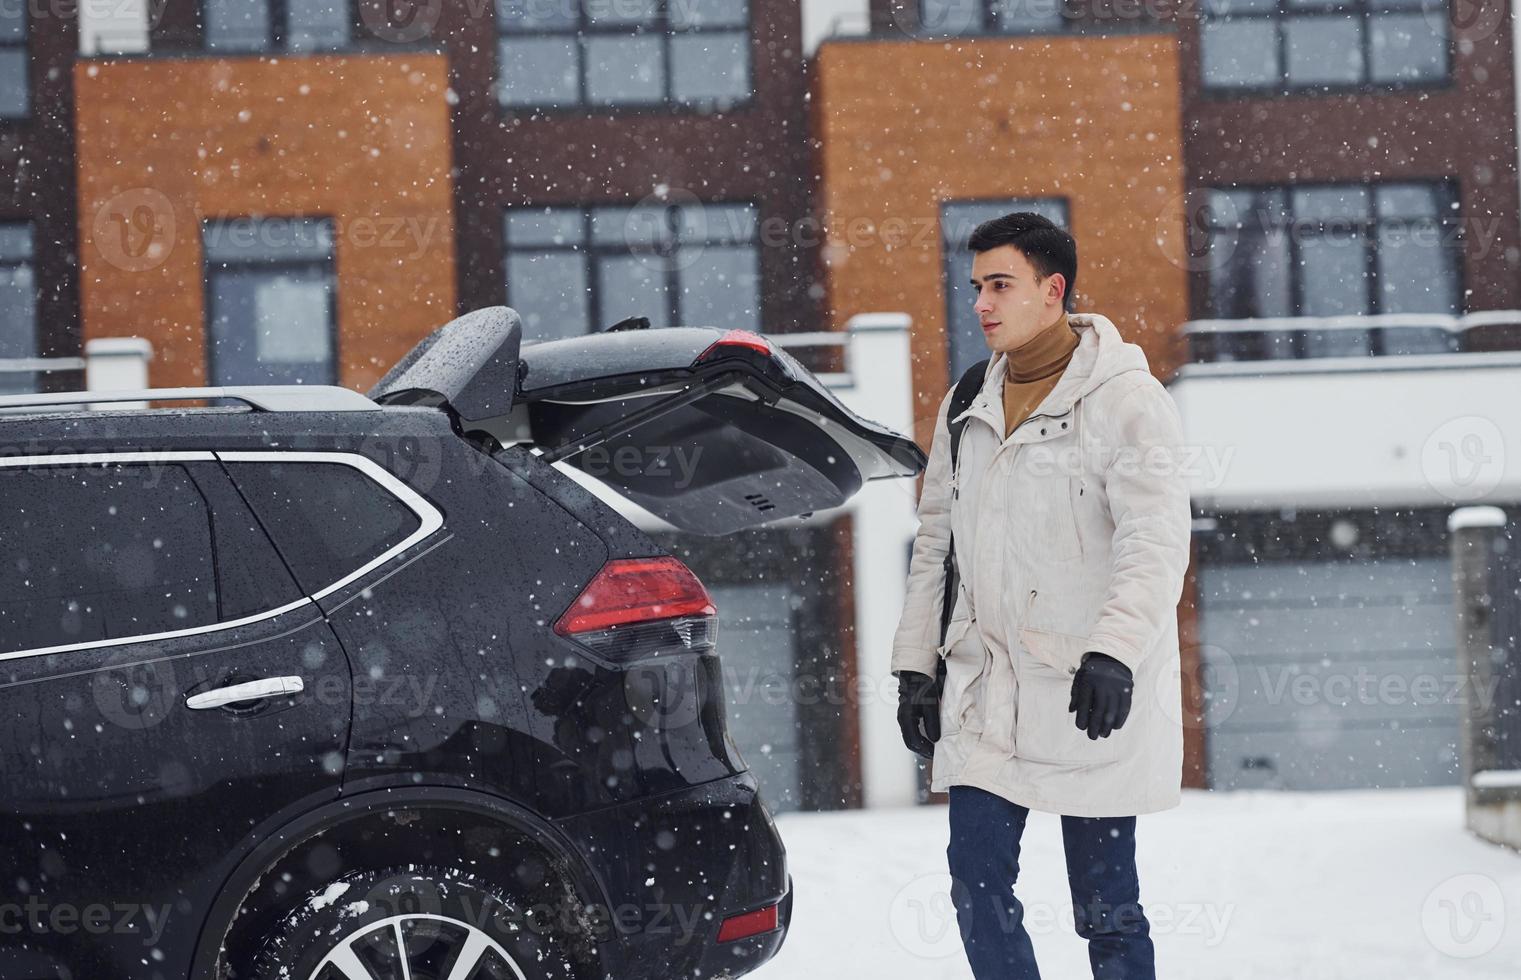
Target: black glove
1100 694
919 701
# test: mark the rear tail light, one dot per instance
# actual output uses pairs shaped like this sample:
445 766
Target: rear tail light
747 924
642 607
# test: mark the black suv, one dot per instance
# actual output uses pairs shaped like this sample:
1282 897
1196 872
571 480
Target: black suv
301 683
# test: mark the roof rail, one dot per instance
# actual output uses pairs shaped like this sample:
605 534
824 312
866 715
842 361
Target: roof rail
265 398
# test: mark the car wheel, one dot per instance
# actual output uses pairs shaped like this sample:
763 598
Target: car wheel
415 923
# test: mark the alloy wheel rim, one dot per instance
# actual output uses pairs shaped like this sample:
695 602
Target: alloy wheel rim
454 950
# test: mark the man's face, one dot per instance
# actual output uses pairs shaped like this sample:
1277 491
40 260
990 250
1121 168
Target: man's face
1013 302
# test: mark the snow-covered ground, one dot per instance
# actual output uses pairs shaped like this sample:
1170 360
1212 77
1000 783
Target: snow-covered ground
1238 886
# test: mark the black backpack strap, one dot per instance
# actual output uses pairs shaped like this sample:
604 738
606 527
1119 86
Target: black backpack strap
961 399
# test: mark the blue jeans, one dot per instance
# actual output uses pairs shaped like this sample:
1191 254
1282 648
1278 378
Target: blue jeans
1106 894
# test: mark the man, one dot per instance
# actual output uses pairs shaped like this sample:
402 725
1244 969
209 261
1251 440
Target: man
1070 520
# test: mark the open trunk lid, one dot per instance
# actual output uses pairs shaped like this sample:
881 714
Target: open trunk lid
711 430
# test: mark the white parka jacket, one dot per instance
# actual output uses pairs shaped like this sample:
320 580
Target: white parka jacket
1071 535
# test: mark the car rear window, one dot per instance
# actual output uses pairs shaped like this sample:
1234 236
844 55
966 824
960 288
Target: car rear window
328 519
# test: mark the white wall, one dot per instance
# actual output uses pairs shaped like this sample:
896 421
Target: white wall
1413 430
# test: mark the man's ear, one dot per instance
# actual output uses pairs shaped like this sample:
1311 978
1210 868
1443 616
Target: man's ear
1060 282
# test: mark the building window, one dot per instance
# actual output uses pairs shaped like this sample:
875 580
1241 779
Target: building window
15 93
623 52
573 270
1297 44
1330 250
18 306
945 17
277 25
270 301
957 221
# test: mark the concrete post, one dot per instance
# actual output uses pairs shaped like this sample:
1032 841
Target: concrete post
1487 660
117 364
879 361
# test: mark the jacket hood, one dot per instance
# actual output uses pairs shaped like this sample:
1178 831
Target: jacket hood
1101 355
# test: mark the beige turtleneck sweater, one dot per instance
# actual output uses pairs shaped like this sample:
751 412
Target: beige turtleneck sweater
1033 368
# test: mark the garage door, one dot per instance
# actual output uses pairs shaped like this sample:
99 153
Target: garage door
757 647
1330 674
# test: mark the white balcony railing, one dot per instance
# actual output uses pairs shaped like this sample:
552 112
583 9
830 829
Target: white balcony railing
1287 342
108 364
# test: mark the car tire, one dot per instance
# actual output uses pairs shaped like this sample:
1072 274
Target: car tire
355 927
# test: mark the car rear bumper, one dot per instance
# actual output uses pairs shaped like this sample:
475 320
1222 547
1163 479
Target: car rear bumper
674 868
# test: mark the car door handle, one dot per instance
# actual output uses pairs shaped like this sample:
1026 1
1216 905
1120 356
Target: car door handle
265 687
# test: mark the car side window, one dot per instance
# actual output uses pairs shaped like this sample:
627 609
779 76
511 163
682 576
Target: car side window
100 552
327 519
251 576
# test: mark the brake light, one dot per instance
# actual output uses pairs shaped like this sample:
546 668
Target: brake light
640 607
736 338
747 924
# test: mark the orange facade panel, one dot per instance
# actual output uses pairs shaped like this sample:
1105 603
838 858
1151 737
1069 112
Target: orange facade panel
362 141
905 126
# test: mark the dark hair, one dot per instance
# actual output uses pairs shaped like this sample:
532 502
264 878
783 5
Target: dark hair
1047 247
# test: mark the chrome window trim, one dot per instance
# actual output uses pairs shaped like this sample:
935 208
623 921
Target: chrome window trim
429 517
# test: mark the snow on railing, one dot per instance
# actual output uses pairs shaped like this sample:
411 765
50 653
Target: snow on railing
1290 340
1453 323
